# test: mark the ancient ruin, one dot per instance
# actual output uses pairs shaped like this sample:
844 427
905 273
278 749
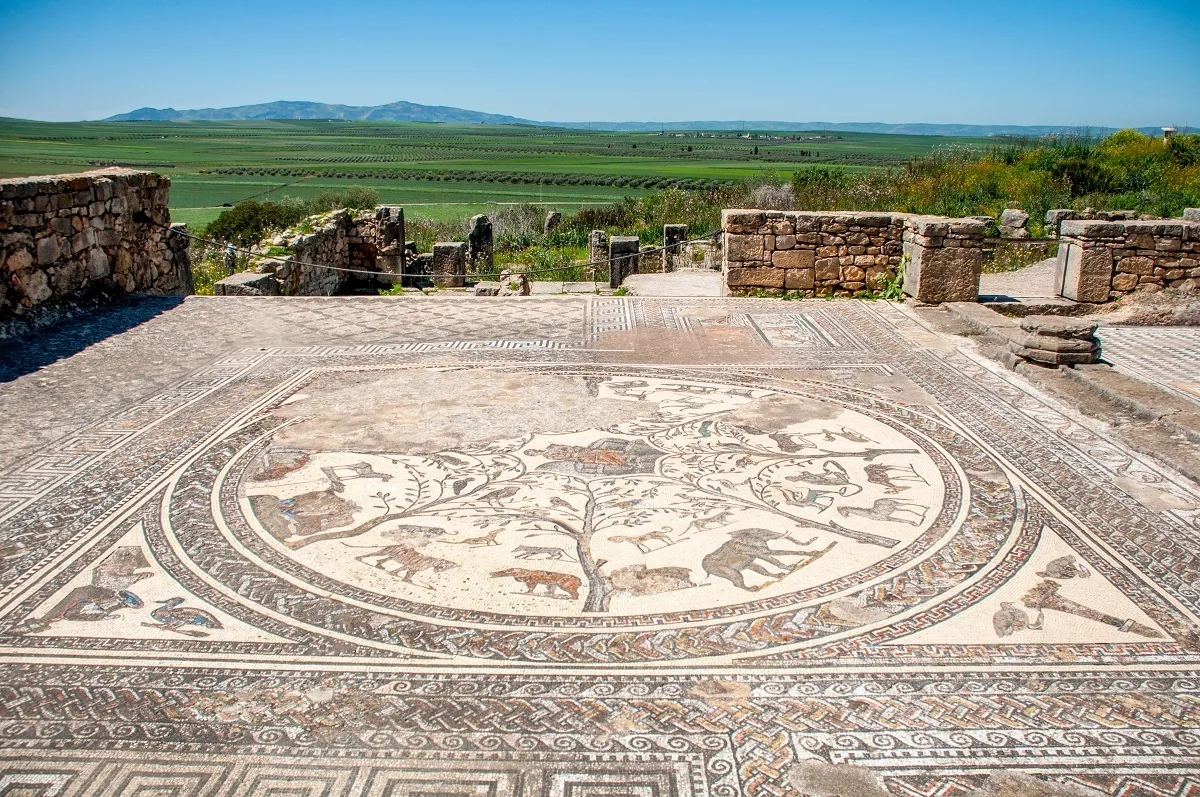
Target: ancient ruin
67 235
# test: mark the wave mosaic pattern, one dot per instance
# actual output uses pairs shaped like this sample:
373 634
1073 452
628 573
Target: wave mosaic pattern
542 569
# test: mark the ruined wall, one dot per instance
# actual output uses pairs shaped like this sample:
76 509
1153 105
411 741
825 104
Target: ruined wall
64 235
1102 260
812 253
364 241
843 253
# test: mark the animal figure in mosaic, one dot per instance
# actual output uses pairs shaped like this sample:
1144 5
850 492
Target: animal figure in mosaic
893 478
338 475
832 475
722 518
409 533
547 552
105 596
888 510
172 615
1009 619
557 585
821 499
608 457
481 541
750 549
397 559
639 581
831 435
1064 567
642 541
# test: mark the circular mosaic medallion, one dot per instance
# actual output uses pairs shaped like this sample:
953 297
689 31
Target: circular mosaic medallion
798 509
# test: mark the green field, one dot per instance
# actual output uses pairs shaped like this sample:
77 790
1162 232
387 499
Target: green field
439 171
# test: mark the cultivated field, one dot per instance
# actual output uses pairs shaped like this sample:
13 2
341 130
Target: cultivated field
437 171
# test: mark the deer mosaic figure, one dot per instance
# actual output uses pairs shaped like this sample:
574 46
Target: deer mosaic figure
889 510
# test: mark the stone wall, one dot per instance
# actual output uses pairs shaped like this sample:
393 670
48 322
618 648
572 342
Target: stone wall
365 241
1102 260
842 253
65 236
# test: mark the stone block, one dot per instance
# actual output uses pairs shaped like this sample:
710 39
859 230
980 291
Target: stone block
1014 217
794 258
1079 228
742 221
1086 273
449 266
553 219
1047 357
755 277
597 246
1191 214
828 268
1135 265
783 242
799 279
487 289
623 252
673 237
246 283
479 243
744 247
1060 327
936 274
1124 282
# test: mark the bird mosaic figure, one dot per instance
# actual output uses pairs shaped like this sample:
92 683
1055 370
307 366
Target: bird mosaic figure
173 616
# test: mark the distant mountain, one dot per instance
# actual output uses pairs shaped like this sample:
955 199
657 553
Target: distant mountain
412 112
393 112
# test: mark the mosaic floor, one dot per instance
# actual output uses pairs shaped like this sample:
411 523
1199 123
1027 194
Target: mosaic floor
1165 356
583 558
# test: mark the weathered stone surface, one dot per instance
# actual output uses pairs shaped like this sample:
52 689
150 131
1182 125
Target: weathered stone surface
449 266
487 289
744 247
936 274
246 283
1050 357
673 237
100 229
1013 218
799 279
794 258
553 219
479 243
1059 327
512 284
597 246
1086 273
757 277
1124 282
1191 214
742 221
623 256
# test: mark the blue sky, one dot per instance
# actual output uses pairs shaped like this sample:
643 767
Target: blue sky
1097 63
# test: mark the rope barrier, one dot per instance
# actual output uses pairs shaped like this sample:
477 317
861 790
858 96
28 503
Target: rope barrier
284 260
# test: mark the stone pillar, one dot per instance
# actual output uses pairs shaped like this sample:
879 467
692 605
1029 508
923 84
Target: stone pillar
945 257
1084 269
625 249
390 225
479 243
449 268
673 237
597 245
553 219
